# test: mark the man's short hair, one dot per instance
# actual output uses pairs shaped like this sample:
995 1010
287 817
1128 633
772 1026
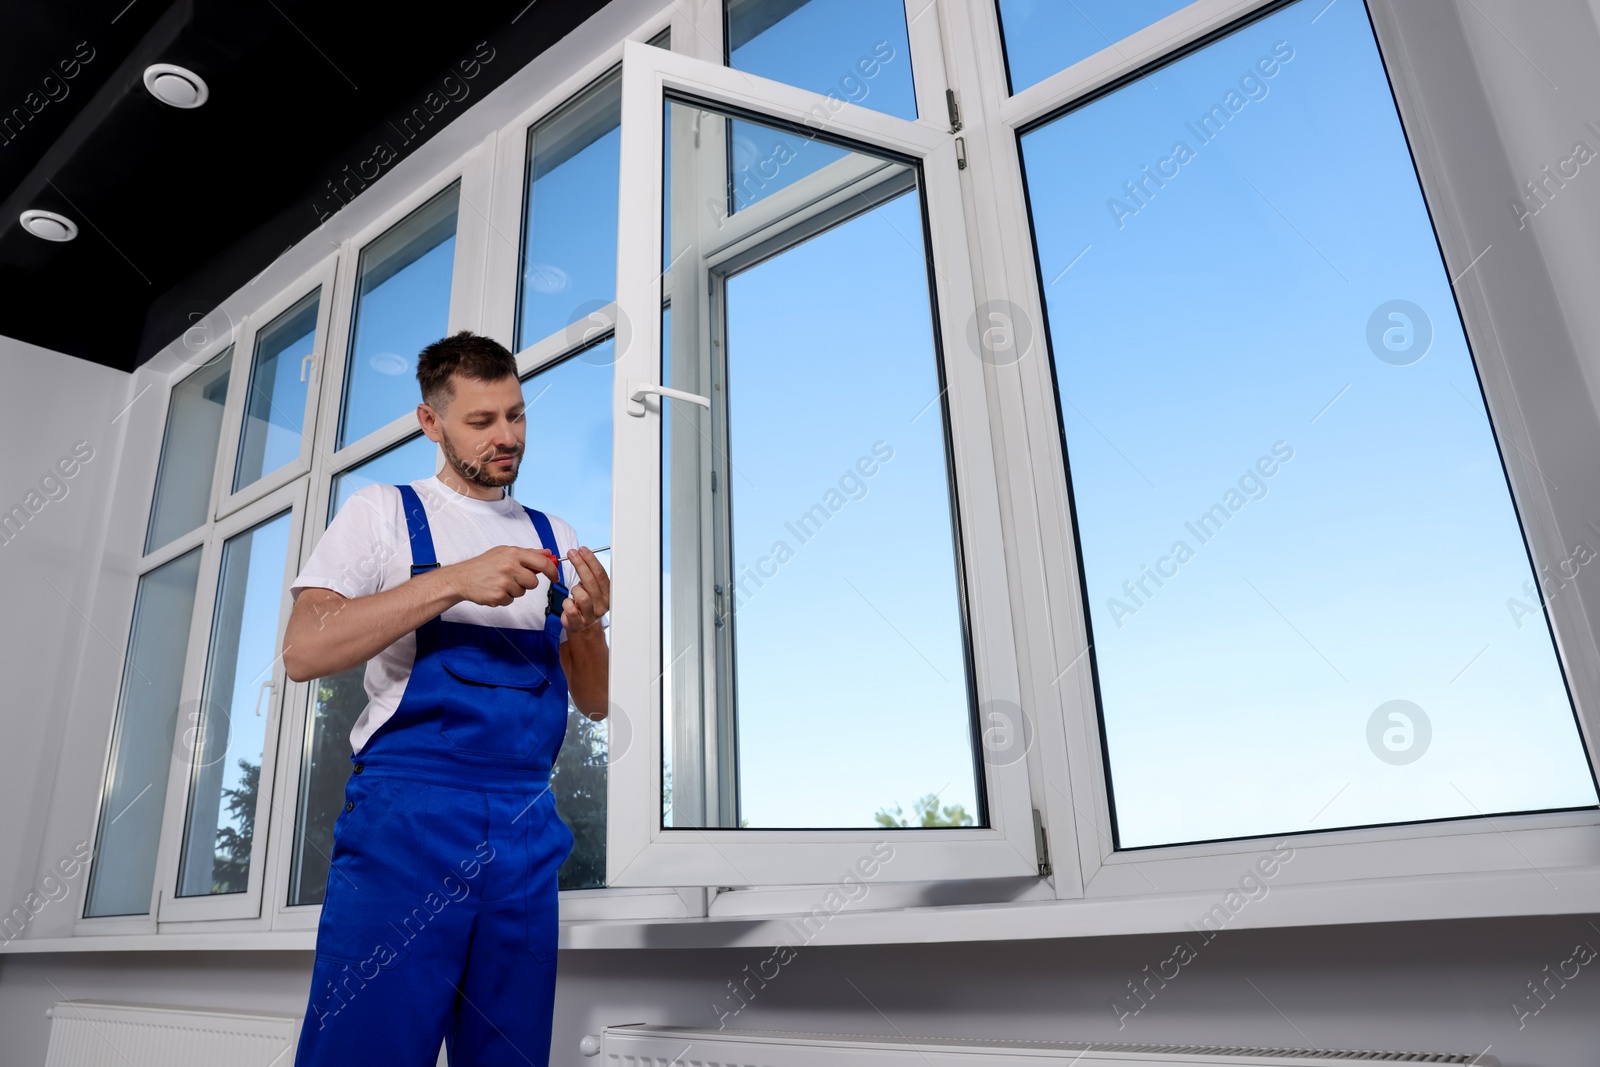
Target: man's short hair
465 353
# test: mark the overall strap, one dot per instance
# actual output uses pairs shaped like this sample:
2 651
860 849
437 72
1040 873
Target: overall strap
547 538
422 557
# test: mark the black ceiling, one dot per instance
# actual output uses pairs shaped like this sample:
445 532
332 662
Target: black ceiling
178 208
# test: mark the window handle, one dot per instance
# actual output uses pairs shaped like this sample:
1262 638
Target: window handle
310 356
638 390
262 690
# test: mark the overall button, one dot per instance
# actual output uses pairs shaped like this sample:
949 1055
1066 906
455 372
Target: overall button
358 768
349 805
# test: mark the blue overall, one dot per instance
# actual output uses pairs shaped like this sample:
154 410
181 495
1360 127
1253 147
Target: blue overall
440 914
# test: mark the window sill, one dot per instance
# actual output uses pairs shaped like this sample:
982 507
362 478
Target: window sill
1553 891
1572 890
231 941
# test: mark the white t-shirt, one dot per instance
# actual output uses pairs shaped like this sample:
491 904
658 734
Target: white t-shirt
367 549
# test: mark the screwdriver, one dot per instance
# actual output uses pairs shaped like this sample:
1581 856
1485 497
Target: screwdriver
559 592
596 551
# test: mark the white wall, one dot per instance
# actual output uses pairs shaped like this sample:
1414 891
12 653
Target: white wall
1445 986
1422 986
48 572
1506 88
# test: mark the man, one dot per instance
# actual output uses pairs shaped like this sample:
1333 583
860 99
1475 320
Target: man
440 913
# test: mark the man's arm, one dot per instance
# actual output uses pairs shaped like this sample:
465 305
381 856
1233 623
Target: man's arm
585 657
586 661
328 633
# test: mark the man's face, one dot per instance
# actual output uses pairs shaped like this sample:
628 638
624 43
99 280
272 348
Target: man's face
482 430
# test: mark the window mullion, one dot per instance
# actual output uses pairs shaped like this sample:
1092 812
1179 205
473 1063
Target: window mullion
1058 699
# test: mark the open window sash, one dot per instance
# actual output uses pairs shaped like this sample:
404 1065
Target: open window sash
680 709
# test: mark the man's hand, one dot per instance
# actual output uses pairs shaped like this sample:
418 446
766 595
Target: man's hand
327 634
500 575
590 599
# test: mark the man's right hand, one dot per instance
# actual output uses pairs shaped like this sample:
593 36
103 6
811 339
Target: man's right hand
500 575
327 633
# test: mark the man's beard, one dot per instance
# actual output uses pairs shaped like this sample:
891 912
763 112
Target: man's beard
480 474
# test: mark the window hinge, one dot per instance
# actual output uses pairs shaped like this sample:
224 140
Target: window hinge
955 110
961 153
1041 842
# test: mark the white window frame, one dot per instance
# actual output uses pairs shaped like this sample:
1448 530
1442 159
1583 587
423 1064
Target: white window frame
502 273
142 468
466 288
321 279
504 255
1499 859
640 852
172 908
1501 865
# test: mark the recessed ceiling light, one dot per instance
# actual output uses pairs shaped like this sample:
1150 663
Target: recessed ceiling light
175 85
49 225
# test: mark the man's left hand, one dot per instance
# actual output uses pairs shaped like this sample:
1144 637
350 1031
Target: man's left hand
589 600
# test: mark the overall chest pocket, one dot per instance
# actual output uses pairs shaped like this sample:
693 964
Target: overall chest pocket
496 693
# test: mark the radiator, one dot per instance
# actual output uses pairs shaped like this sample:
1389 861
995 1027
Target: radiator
98 1034
639 1045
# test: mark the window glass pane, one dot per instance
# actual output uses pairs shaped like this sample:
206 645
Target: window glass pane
225 776
570 403
826 586
339 699
569 247
274 410
402 306
189 452
124 869
853 50
1302 560
406 462
1045 36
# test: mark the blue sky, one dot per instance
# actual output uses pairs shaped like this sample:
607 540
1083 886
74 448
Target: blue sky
1228 310
395 320
570 251
1044 36
851 679
853 50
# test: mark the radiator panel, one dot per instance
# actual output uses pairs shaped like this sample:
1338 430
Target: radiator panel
101 1034
640 1045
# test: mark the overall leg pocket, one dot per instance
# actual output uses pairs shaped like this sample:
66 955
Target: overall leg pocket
364 801
366 870
549 845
